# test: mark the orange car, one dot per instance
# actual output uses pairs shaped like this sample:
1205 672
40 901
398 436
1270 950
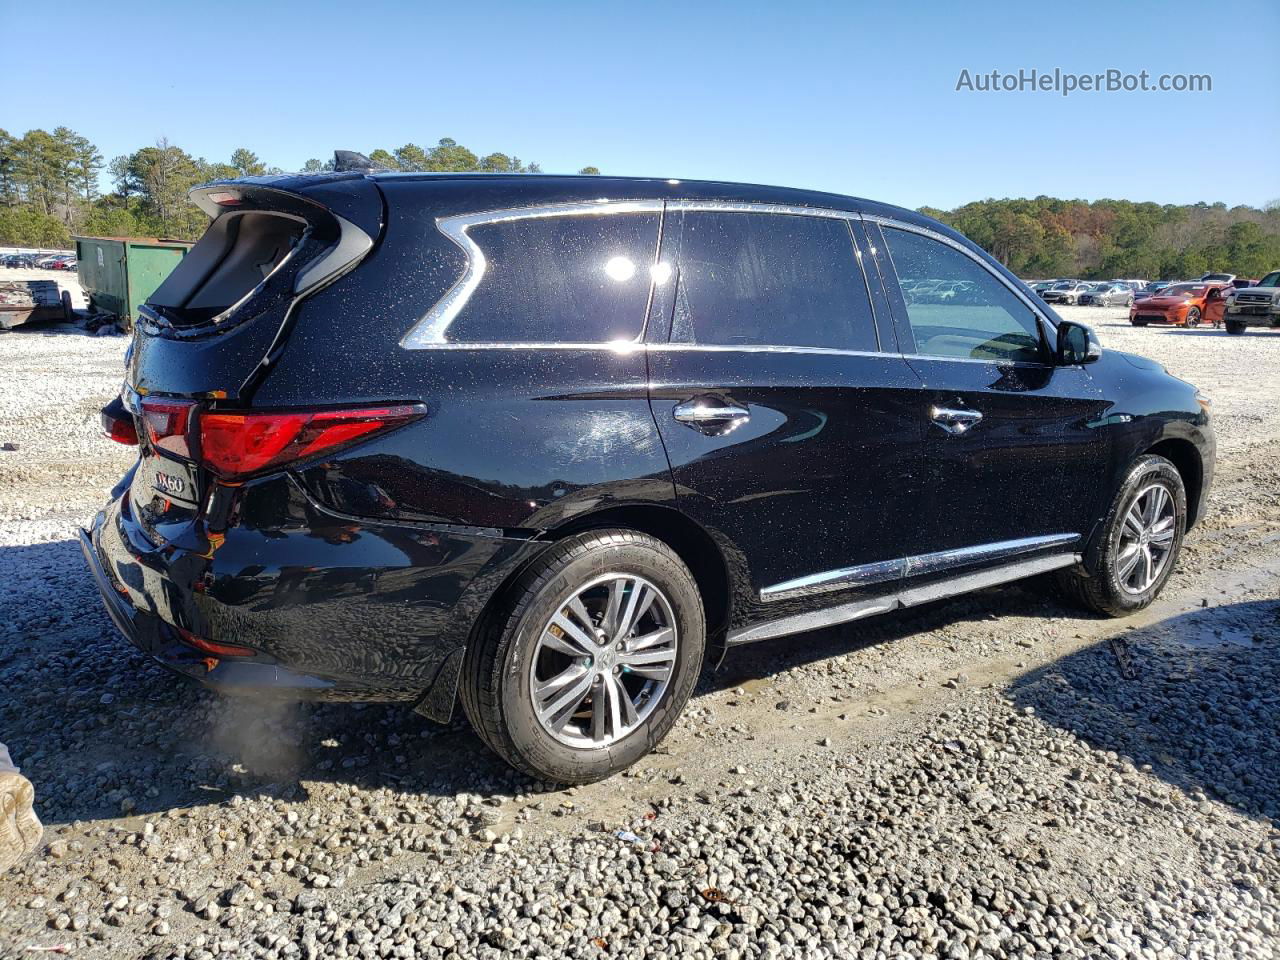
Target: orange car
1181 304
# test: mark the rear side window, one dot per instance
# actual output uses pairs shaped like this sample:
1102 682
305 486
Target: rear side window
770 279
956 308
564 279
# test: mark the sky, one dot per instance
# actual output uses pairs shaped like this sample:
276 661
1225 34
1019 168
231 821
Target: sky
856 97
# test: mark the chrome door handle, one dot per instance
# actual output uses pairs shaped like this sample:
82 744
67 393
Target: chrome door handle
700 411
954 421
711 416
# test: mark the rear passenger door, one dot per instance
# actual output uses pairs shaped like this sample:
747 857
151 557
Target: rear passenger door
793 431
1012 446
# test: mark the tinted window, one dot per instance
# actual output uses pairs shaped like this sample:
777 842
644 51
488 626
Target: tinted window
773 279
571 279
982 319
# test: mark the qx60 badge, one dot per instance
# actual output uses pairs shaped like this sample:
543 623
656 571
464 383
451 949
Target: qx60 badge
169 484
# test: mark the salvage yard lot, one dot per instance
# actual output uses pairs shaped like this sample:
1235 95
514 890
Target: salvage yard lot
972 778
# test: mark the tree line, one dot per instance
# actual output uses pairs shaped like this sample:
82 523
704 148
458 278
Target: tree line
1105 239
49 191
49 184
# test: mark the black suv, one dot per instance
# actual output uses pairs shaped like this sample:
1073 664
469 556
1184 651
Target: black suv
547 444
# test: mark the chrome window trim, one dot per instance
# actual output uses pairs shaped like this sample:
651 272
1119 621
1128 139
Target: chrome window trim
766 348
752 206
430 329
905 597
633 346
921 564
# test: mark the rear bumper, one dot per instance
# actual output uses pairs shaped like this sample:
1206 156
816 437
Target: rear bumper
159 639
334 609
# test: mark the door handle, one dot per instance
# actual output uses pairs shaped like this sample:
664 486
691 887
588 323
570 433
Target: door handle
710 415
700 411
954 421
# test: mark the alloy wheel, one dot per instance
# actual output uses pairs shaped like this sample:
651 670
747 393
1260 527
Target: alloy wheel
603 661
1146 539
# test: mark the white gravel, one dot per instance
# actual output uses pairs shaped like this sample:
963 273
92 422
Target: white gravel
971 779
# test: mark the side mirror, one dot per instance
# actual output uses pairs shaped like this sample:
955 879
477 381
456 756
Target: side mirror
1077 344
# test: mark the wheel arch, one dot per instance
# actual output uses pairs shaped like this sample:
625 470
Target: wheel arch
1182 453
686 537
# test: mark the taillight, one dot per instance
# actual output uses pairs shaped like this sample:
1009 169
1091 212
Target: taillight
117 423
168 425
217 649
236 444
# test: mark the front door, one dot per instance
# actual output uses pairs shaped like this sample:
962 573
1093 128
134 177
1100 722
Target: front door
793 437
1013 455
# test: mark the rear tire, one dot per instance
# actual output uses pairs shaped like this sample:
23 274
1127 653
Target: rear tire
1142 537
551 702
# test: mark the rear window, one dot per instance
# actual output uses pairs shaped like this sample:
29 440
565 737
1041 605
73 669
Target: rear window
771 279
564 279
234 257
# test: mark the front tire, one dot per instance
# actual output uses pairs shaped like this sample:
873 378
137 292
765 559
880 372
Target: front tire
589 658
1193 317
1235 327
1142 537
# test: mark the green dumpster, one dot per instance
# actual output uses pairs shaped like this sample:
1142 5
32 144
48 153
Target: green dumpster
118 273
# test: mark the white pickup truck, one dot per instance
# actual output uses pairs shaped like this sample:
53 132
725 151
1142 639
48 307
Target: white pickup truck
1254 306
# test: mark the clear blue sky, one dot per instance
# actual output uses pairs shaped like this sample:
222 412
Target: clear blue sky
852 97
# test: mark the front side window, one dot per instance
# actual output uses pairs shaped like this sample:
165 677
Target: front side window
560 279
983 320
770 279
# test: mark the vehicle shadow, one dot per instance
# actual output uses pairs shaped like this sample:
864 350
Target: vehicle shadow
1201 710
102 730
753 661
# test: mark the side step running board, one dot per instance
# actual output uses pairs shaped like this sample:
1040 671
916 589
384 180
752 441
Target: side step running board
906 597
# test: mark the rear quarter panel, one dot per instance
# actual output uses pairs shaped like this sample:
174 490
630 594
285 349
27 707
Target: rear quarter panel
513 439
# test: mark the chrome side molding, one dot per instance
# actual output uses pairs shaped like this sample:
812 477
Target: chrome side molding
883 571
863 575
905 597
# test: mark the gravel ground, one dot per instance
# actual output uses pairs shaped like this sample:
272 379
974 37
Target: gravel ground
986 784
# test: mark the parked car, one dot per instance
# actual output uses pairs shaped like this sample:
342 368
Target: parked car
18 260
1241 282
1218 278
548 444
1180 304
1040 286
46 262
1154 288
63 263
1135 285
1256 306
1108 294
1065 291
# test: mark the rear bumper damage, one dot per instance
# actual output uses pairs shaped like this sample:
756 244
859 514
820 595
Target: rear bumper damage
332 608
